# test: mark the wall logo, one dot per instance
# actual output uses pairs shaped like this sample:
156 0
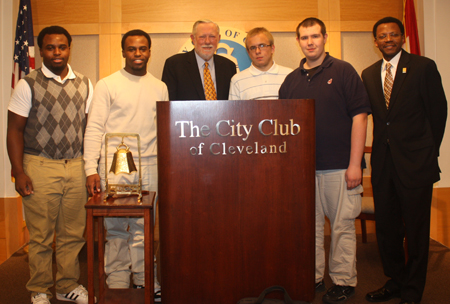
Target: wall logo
231 46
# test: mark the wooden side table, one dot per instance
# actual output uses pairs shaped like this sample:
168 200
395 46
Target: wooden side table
117 207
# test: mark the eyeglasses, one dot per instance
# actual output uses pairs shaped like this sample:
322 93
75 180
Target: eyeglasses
204 37
259 46
392 35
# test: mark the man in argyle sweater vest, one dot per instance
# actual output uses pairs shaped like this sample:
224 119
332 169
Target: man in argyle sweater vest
46 123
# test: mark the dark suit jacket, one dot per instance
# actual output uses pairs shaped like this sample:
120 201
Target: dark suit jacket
414 125
183 80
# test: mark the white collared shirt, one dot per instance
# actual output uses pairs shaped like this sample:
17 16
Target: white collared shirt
253 83
49 74
20 102
394 62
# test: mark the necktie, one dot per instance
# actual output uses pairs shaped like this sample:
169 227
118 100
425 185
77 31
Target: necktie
210 91
388 82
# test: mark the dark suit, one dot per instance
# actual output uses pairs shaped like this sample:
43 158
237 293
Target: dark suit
183 80
406 141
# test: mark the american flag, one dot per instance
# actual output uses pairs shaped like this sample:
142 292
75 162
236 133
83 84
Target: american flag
24 43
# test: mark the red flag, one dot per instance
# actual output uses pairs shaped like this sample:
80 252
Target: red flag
412 44
23 44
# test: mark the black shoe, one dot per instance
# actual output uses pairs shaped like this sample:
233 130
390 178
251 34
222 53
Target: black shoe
320 286
409 302
138 286
382 295
338 294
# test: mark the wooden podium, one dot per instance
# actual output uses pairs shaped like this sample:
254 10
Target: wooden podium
236 192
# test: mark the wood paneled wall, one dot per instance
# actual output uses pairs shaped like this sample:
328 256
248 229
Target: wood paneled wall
13 233
86 17
361 15
111 18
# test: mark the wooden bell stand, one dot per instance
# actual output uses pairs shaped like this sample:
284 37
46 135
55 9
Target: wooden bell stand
98 208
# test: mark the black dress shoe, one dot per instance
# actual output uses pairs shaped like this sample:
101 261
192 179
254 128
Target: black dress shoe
338 294
409 302
382 295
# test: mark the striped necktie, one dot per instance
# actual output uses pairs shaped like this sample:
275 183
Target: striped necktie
388 82
210 91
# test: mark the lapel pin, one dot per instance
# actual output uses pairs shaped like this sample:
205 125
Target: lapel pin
404 70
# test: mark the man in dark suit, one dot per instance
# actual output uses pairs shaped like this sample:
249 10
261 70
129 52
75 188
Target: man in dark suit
409 115
184 74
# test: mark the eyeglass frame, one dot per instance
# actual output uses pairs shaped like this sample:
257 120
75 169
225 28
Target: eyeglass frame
260 46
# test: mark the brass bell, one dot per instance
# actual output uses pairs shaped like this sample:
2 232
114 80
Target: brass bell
123 160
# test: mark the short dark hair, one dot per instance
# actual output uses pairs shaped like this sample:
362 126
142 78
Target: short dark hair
388 20
54 29
136 33
311 21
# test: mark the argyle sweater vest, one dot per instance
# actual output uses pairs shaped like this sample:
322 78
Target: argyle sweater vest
57 120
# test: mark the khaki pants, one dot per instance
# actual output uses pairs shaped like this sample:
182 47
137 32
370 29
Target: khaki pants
56 206
341 206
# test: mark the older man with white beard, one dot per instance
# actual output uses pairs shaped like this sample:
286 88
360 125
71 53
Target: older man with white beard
199 74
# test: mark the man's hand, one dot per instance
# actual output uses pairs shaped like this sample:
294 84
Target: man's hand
93 184
23 184
353 176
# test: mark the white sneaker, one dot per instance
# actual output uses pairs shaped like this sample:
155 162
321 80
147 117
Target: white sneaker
40 298
79 295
